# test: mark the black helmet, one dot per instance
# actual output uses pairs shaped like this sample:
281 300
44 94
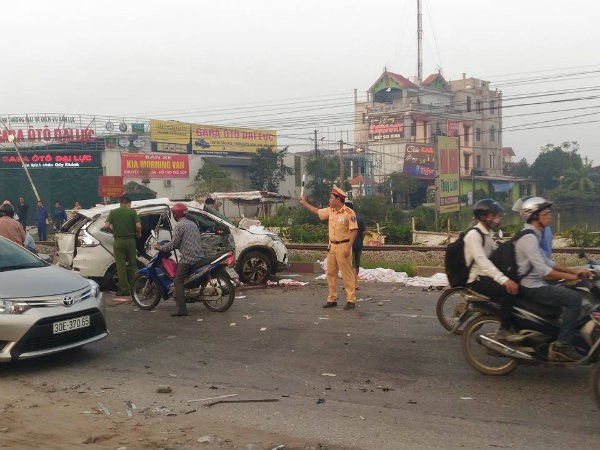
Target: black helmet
7 210
487 206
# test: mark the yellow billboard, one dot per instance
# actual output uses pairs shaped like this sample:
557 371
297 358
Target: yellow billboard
448 179
170 131
214 139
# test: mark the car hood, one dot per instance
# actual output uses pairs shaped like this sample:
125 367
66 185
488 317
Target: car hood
40 282
259 230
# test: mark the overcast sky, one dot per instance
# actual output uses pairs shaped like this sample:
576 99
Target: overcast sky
292 65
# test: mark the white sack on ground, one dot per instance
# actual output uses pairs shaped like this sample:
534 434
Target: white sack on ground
390 276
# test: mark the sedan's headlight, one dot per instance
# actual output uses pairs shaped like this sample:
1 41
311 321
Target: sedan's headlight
8 307
94 288
85 239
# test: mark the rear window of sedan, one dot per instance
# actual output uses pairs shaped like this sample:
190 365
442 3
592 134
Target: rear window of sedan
14 257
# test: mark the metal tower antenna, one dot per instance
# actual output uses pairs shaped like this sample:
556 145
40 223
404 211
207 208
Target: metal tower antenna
419 42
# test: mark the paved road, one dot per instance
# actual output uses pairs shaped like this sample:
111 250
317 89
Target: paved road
388 375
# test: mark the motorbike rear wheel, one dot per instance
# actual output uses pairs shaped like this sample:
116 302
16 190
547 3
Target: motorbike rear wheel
450 307
218 292
595 383
145 293
480 357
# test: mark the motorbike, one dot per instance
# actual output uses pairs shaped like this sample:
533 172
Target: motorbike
537 326
213 284
453 307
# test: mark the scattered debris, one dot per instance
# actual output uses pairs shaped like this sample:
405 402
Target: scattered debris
240 296
323 318
164 389
466 398
247 317
103 408
263 329
129 407
325 374
279 447
320 401
286 282
212 398
207 439
199 320
232 324
262 400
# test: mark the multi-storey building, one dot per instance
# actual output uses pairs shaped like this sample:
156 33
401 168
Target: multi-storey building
400 112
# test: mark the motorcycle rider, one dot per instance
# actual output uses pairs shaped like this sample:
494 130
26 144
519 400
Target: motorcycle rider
186 238
484 276
536 268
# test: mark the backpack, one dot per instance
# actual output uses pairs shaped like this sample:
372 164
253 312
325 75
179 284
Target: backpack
454 260
504 257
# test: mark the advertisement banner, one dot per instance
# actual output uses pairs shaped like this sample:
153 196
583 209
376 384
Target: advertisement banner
448 180
169 131
208 139
419 161
40 129
151 165
391 128
51 160
452 128
110 186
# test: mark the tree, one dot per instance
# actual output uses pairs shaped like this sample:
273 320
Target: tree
403 186
328 172
553 161
212 178
519 169
578 179
267 169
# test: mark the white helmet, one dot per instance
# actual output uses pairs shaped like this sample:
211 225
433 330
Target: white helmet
517 206
532 206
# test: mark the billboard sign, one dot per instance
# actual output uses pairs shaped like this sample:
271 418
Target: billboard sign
448 180
388 128
419 161
110 186
152 165
209 139
51 160
36 130
169 131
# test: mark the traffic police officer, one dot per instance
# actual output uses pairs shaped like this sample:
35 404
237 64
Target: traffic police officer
342 233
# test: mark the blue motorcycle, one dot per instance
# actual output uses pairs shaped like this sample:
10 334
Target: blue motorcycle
213 284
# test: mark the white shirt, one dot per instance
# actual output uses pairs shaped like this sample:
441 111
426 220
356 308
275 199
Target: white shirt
480 252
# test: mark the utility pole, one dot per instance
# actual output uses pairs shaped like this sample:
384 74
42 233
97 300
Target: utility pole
342 178
317 186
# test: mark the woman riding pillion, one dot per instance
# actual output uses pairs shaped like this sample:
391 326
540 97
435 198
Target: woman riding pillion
484 276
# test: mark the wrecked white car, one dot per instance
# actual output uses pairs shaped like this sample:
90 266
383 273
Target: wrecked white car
84 247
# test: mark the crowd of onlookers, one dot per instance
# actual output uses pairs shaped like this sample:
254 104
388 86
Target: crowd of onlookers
19 214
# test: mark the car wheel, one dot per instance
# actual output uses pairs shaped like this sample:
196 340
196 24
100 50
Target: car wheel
110 281
255 268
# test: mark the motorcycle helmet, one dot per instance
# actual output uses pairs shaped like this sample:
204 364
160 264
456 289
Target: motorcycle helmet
7 210
531 207
179 210
517 206
487 206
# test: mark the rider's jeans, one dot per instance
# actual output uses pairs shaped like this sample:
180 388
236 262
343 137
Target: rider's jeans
487 286
557 296
183 270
